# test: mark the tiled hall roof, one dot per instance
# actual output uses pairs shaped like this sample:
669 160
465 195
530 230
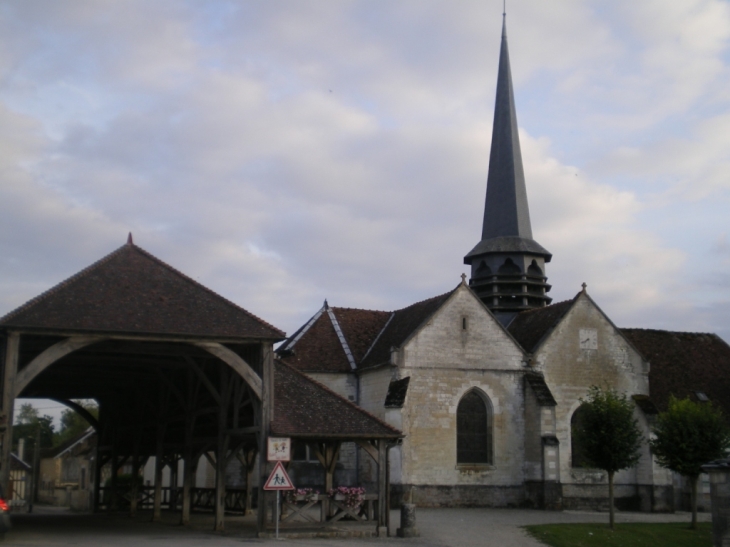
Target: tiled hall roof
131 291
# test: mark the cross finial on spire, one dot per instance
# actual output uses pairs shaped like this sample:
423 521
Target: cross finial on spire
463 279
584 286
130 241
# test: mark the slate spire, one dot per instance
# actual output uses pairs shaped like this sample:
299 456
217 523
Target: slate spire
505 211
507 265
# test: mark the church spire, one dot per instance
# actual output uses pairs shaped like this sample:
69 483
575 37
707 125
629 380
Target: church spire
507 265
505 211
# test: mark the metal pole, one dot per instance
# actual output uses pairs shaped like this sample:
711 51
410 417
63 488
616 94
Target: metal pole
278 493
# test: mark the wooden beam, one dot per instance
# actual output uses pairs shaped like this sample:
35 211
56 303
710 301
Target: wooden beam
369 448
85 414
236 362
243 431
203 378
12 348
50 356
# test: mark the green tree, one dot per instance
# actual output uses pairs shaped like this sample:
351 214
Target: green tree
73 424
689 435
27 423
608 434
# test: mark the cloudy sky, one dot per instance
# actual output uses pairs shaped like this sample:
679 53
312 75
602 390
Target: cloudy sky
286 151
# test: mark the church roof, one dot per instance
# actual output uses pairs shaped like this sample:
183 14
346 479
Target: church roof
306 408
508 244
531 327
685 364
130 291
506 212
404 323
365 336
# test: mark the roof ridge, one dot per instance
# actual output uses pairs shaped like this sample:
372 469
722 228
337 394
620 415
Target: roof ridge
341 338
358 309
65 283
433 298
671 331
294 338
340 397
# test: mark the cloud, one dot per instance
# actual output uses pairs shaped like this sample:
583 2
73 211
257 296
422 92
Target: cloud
283 153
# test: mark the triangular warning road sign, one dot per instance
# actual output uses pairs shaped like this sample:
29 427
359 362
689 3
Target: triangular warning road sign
278 480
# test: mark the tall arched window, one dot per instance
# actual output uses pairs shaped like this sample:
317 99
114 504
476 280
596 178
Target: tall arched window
474 429
577 452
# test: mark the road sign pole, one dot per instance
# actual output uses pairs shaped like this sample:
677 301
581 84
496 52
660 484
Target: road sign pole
278 496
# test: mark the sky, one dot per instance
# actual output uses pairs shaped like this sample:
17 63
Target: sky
284 152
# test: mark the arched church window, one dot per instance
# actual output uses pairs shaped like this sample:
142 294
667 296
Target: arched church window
577 451
509 268
474 429
534 269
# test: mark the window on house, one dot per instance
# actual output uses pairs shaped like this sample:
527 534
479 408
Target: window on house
474 429
577 451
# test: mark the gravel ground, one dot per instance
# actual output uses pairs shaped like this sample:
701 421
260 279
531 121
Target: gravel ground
50 527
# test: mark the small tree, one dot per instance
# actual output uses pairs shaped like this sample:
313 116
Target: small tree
689 435
609 434
27 423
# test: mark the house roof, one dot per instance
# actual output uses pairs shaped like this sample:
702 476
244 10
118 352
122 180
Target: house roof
317 347
684 364
530 327
131 291
305 408
367 335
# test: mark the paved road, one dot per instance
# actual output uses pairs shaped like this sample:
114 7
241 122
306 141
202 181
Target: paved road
439 528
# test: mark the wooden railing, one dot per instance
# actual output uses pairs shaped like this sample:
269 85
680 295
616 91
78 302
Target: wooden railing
322 508
202 499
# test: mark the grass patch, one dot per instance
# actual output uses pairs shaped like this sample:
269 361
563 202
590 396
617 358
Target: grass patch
675 534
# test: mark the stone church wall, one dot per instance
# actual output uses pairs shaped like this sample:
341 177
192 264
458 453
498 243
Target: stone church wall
461 348
584 350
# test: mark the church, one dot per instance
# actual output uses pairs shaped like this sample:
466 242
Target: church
485 380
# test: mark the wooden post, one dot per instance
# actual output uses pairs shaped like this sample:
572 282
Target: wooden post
174 464
267 415
382 488
97 460
115 466
222 449
12 346
135 477
247 459
159 465
188 467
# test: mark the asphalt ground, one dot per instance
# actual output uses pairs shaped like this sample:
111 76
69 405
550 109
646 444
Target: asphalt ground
438 528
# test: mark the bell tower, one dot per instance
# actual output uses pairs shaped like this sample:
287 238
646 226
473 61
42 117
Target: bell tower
507 265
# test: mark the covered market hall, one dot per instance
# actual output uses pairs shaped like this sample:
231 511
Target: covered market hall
180 374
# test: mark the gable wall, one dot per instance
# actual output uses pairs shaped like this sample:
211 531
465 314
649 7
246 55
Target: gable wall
570 371
444 362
